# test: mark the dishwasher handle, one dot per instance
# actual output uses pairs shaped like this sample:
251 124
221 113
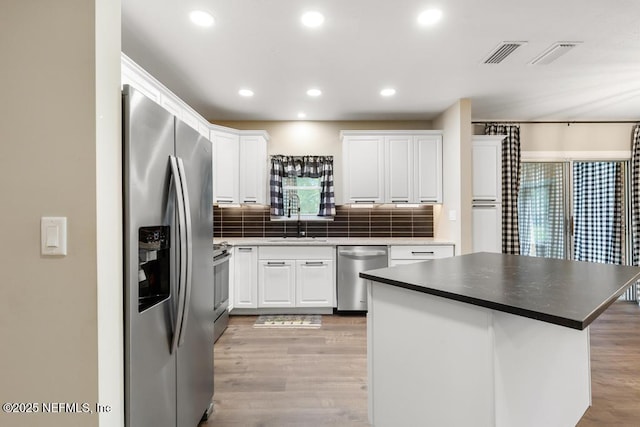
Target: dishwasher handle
361 254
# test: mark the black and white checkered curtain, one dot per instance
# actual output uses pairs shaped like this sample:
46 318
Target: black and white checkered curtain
635 199
307 167
541 210
597 199
510 183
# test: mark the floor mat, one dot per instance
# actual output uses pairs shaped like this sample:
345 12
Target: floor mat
289 321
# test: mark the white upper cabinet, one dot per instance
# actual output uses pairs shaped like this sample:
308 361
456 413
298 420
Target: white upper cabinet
190 118
239 156
399 162
239 166
134 75
226 159
392 166
363 171
428 168
253 168
487 168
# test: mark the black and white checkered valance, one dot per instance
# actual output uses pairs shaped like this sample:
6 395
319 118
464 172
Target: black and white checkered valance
510 183
302 166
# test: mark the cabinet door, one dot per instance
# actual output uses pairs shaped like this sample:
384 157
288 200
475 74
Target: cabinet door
487 169
399 166
428 168
276 284
245 276
226 158
487 228
253 169
363 169
315 283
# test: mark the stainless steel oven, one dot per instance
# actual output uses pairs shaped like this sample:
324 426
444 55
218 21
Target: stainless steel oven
221 256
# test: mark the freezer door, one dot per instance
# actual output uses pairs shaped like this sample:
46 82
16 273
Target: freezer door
195 351
149 251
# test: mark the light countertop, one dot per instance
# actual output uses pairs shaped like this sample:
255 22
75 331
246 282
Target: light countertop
331 241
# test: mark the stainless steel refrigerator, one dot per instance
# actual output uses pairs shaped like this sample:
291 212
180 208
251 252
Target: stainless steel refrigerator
168 267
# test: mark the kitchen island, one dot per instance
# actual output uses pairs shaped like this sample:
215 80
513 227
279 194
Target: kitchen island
485 339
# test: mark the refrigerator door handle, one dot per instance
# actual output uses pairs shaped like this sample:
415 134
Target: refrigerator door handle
189 245
182 262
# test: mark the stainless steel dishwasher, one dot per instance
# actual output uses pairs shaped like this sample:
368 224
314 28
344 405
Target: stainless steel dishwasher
352 290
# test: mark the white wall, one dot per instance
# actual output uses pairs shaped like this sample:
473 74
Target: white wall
318 137
456 125
57 119
109 212
573 137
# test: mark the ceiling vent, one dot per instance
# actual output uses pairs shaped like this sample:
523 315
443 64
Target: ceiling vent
501 52
554 52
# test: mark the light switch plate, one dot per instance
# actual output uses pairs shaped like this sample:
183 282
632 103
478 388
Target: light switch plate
452 215
53 236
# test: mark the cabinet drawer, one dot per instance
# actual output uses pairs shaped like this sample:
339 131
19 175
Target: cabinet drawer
421 252
296 252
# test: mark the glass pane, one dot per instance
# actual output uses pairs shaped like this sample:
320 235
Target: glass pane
308 182
307 190
541 210
309 201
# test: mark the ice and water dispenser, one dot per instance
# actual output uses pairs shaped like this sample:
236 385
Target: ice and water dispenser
153 266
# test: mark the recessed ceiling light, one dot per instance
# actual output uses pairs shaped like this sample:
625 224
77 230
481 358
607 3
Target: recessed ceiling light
312 19
388 92
314 92
201 18
429 17
247 93
301 115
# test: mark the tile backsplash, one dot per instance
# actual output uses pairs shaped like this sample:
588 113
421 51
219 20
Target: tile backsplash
383 221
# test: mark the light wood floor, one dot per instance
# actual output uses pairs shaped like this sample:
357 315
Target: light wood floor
318 377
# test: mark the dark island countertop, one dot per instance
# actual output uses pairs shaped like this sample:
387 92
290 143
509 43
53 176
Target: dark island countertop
562 292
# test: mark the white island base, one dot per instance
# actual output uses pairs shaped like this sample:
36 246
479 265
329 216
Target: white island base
433 361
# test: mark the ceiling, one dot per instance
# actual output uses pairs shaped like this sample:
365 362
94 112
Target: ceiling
366 45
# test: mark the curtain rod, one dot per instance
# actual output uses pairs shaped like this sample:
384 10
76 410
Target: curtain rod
568 122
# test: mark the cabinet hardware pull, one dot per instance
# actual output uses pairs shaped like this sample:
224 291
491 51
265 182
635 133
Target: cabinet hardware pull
428 200
249 201
399 201
275 263
364 201
483 206
245 249
422 253
314 263
485 200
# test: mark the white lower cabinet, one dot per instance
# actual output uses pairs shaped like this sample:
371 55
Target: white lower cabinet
245 276
294 276
487 228
314 283
276 283
399 255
